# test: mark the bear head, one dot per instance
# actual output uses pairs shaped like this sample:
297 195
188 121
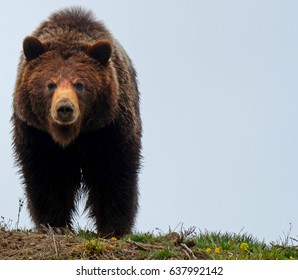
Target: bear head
68 92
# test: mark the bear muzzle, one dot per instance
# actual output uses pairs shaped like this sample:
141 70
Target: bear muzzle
64 113
64 121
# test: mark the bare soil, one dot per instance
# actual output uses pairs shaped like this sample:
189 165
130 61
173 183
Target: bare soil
17 245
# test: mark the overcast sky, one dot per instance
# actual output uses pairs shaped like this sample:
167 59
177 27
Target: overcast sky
219 103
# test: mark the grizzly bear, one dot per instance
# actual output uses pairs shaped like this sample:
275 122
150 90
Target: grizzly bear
76 124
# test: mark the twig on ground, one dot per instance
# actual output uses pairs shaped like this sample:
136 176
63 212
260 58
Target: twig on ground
144 247
189 252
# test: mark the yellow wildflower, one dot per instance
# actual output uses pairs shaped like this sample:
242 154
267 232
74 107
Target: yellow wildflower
244 246
208 250
217 250
114 238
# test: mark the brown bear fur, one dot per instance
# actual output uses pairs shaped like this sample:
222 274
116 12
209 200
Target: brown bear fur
76 124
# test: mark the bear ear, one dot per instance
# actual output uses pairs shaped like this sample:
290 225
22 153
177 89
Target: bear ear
32 48
101 51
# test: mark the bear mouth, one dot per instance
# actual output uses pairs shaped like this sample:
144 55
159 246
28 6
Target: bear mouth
64 124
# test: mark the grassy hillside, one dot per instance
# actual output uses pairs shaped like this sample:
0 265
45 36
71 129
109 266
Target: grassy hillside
185 244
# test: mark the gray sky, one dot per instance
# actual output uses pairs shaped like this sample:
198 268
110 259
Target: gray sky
219 101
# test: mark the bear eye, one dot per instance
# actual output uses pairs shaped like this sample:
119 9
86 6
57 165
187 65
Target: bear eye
79 86
51 86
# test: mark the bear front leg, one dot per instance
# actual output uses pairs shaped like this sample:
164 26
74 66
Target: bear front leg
51 176
114 206
110 177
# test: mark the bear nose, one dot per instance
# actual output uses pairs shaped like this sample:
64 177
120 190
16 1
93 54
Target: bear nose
65 111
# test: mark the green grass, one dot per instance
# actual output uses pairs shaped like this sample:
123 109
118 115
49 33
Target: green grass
230 246
205 245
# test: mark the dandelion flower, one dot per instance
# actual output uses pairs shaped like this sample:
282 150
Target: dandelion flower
217 250
244 246
208 250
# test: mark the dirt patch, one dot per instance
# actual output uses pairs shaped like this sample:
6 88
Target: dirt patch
15 245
